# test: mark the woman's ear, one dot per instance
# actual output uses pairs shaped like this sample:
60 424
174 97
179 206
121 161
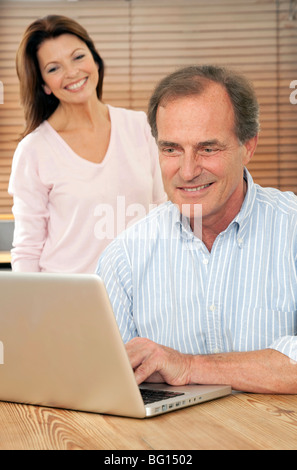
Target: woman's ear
46 90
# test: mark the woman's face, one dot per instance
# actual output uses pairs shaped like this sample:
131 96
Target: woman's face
68 69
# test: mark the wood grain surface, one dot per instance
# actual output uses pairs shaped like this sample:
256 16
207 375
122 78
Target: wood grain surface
241 421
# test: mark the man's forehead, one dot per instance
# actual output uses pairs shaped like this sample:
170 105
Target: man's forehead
212 108
214 92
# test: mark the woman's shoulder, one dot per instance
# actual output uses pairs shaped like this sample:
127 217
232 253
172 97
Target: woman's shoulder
35 137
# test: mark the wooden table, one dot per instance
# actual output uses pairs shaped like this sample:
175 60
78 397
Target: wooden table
240 421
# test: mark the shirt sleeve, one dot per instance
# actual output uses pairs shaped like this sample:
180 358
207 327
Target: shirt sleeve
30 202
286 345
114 268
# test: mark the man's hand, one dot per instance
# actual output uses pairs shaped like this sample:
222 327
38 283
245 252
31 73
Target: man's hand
265 371
154 363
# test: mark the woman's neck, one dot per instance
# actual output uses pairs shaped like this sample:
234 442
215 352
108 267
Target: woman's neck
87 115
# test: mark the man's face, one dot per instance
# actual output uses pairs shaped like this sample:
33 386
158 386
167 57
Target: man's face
200 156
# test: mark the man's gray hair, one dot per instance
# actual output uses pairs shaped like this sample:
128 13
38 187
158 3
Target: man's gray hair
194 80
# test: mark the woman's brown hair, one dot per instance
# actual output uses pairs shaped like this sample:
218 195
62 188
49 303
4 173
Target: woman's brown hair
38 106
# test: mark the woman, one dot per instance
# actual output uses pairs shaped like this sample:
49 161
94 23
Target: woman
84 170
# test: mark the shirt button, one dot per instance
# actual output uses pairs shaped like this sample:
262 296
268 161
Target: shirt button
212 308
205 261
240 242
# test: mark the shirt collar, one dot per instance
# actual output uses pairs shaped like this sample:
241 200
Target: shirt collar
182 224
243 217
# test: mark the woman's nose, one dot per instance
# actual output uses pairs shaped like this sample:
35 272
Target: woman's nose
71 70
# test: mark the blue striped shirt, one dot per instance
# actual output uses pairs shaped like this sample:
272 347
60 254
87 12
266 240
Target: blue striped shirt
165 285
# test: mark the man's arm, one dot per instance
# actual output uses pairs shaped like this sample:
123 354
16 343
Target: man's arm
265 371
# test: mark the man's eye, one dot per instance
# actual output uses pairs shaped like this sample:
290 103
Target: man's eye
172 152
80 56
208 151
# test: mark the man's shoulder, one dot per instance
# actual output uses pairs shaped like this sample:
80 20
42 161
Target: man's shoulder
284 202
164 213
154 226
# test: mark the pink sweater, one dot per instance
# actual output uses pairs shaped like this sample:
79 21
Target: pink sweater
68 209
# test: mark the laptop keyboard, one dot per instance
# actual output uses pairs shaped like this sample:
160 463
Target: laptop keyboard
151 396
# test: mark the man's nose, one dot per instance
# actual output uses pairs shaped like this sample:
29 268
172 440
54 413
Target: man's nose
191 165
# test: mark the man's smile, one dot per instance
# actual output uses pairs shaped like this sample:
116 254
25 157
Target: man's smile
197 188
192 189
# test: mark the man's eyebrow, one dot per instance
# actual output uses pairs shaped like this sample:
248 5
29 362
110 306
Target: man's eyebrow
165 143
199 145
210 143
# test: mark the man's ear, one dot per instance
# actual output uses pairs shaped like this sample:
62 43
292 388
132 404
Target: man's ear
249 149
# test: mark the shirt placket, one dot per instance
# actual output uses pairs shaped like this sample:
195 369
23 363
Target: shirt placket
213 305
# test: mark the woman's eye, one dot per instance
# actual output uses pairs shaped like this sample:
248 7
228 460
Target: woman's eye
52 69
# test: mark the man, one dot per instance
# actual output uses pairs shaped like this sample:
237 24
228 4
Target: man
215 302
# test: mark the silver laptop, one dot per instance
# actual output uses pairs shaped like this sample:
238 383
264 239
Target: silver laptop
60 346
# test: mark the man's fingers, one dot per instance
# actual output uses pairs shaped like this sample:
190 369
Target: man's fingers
137 350
146 372
142 356
155 363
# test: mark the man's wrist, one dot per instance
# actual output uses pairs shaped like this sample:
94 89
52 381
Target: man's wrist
207 369
198 369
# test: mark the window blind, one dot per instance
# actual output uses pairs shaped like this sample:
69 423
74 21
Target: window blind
143 40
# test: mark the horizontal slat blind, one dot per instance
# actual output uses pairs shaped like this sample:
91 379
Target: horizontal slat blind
107 22
255 37
143 40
